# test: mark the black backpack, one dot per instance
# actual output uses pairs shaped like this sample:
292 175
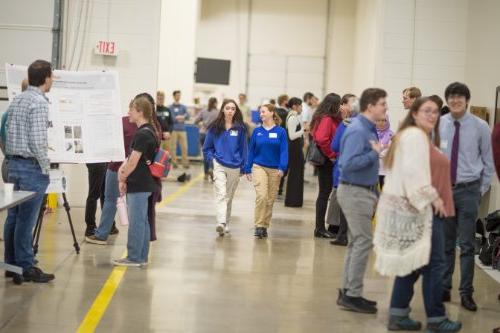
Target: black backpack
489 255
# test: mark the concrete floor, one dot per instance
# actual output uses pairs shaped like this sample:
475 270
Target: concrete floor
197 282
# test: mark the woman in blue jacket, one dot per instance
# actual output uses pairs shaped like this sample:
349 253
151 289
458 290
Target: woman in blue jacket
267 163
226 146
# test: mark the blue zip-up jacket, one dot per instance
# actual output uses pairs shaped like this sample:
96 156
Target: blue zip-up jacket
268 148
228 148
359 163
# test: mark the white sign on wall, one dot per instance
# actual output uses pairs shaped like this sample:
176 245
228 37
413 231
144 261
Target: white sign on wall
85 118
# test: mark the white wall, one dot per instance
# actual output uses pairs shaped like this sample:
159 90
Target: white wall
177 44
283 43
482 71
17 26
340 47
223 34
135 26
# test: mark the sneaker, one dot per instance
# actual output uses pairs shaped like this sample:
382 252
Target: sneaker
220 229
356 304
264 232
446 326
398 323
341 293
90 230
114 230
144 264
94 240
125 262
35 274
226 229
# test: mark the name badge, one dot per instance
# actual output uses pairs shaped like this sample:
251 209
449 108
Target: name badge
444 144
273 135
233 133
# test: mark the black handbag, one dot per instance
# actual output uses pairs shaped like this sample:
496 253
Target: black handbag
314 155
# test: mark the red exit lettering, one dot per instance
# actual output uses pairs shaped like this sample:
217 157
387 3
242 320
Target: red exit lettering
106 47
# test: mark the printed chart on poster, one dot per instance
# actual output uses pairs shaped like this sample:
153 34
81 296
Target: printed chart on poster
85 123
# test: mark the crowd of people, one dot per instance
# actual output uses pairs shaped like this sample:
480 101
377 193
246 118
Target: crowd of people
422 185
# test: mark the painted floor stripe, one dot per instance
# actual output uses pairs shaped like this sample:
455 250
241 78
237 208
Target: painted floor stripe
101 303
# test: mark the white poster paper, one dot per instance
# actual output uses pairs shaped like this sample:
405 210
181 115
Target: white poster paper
85 123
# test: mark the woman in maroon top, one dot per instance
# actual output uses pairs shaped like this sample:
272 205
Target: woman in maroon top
495 143
323 126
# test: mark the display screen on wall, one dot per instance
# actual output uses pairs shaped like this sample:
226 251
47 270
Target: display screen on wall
212 71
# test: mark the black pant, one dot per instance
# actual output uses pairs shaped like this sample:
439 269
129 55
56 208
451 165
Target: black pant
325 179
342 233
295 181
97 175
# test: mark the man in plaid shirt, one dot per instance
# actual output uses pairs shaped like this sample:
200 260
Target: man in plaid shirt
26 149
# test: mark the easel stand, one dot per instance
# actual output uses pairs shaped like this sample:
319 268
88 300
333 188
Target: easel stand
38 226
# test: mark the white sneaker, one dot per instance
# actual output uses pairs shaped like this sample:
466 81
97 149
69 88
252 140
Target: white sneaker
226 229
125 262
220 229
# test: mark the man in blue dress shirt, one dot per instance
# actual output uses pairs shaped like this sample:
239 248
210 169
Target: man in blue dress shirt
357 195
465 139
180 115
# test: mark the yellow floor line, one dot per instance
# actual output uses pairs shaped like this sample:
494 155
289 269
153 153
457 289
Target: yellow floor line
98 308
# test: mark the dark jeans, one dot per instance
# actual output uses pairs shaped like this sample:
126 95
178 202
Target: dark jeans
207 165
325 182
97 175
463 226
26 175
432 287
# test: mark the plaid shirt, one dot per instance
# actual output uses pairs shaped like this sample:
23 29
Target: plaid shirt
27 123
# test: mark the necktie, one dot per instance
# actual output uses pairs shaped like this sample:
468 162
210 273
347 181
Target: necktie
454 153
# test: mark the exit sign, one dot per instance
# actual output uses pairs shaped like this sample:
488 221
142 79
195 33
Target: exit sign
106 47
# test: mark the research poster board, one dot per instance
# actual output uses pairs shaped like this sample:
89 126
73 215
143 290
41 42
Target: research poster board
85 123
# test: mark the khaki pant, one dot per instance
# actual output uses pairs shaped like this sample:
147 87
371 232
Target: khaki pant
225 183
181 137
266 182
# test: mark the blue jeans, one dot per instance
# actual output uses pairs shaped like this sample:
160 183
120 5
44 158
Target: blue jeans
111 194
432 286
463 226
26 175
138 229
207 165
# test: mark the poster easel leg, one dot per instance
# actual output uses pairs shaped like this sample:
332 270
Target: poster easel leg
38 226
67 208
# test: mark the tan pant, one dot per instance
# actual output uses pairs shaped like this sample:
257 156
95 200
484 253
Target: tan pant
181 137
225 183
266 182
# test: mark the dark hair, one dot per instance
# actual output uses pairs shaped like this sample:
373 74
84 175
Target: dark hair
457 88
272 101
329 107
370 96
282 98
38 71
294 101
219 124
436 99
176 92
345 98
156 122
409 121
307 95
413 92
212 103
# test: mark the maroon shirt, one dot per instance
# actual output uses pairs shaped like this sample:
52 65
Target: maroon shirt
129 130
495 142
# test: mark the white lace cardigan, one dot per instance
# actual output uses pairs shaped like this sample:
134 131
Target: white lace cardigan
402 238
